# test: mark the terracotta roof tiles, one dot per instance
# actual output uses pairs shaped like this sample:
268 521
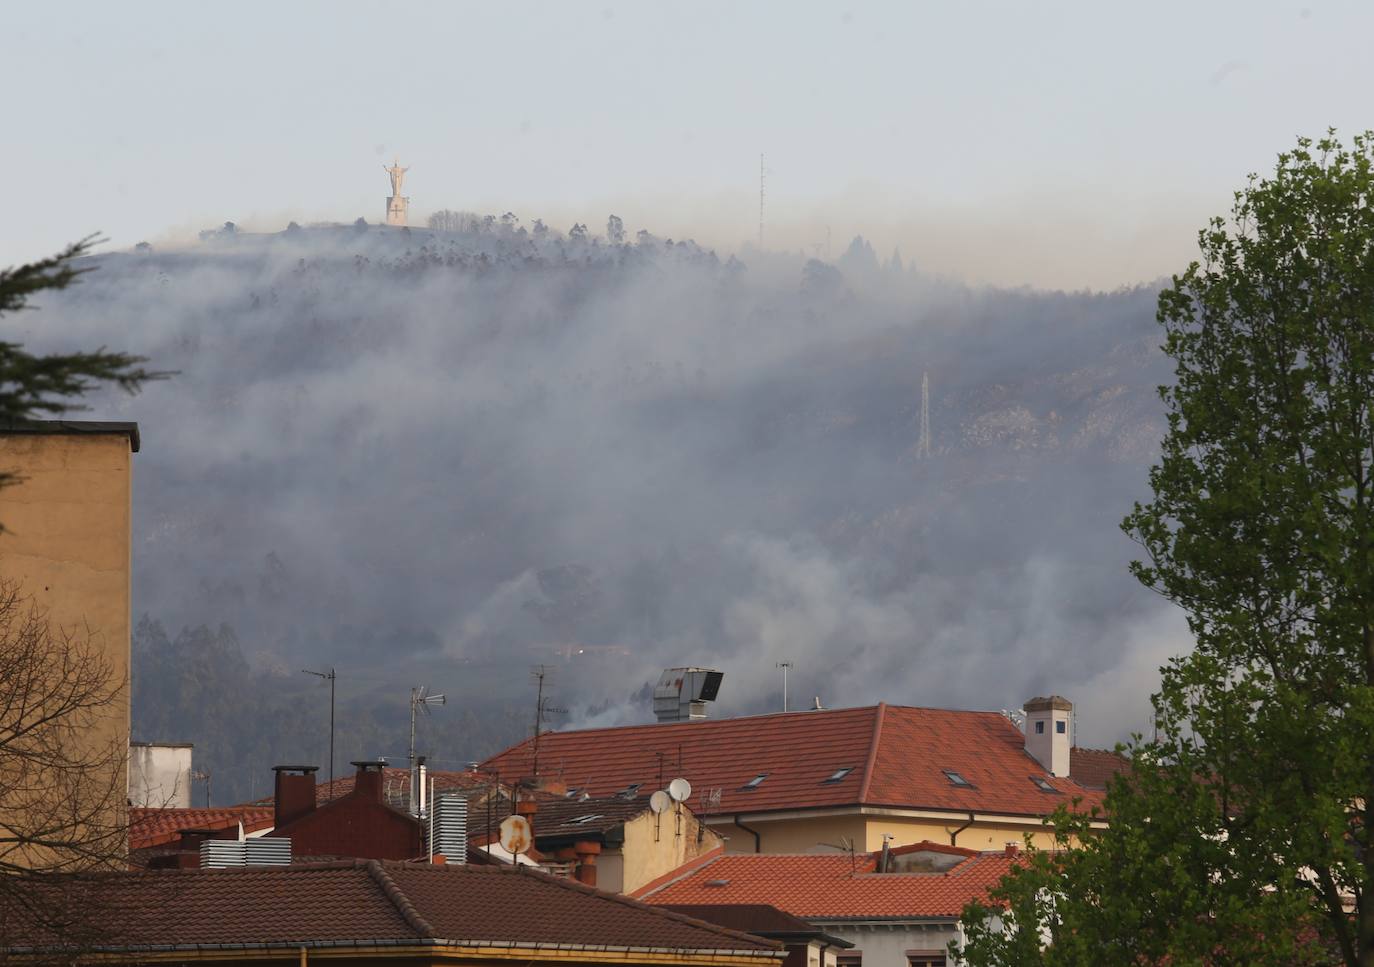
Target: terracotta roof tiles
832 886
896 756
156 827
367 902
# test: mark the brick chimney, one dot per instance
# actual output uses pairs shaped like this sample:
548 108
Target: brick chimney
368 781
1049 733
586 851
293 794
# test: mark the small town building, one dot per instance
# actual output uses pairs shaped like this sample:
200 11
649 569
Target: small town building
65 544
366 911
898 907
841 778
807 945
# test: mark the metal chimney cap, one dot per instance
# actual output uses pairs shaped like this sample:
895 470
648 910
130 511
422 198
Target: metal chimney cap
304 770
365 764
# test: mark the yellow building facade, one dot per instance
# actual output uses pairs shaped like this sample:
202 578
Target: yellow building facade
66 544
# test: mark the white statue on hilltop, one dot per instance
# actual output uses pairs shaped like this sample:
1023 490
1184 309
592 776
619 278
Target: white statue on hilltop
397 176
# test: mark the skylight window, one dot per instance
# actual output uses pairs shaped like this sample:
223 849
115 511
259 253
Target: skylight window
755 782
630 791
1042 784
584 819
838 775
957 780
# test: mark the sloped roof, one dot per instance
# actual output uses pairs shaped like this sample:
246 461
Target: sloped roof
760 919
897 756
1091 768
155 827
834 886
370 902
560 817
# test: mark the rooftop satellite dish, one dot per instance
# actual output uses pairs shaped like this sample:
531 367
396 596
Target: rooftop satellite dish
516 837
660 802
679 789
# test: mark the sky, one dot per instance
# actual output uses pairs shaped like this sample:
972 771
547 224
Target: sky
1063 145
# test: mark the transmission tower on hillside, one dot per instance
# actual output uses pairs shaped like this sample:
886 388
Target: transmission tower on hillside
762 171
923 446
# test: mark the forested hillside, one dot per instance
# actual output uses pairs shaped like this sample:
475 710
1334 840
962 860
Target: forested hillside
440 457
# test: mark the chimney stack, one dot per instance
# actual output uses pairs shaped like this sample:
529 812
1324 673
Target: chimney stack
368 781
1049 733
293 793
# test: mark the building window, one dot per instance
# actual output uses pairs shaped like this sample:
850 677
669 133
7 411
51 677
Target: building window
928 959
755 782
849 958
1039 728
957 780
838 775
1061 727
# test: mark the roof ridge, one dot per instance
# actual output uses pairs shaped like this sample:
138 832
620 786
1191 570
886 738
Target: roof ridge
633 903
872 752
399 900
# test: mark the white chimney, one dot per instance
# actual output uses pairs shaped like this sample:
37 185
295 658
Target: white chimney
1049 733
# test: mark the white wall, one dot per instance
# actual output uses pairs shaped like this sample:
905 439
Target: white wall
885 944
159 775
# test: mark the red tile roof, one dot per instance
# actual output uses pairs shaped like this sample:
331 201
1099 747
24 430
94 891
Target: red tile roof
898 756
156 827
832 886
368 902
1091 768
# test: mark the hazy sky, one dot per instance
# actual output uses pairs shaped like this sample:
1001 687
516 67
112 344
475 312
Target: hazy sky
1051 143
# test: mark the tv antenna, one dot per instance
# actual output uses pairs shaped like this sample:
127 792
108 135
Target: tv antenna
329 677
786 666
202 775
542 710
763 172
420 698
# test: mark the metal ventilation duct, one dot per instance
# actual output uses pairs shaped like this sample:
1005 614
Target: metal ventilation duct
262 851
450 828
682 693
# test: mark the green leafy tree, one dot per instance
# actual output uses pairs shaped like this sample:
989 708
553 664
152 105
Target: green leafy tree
1262 529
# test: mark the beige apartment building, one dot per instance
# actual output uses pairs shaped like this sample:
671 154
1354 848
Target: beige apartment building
66 543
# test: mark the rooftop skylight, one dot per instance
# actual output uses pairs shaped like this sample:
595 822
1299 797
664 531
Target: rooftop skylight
755 782
957 780
838 774
1043 784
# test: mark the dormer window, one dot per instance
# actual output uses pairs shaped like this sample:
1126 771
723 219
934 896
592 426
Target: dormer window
837 775
755 782
957 780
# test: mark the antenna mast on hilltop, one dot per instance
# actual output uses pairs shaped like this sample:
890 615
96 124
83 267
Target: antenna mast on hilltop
923 446
761 174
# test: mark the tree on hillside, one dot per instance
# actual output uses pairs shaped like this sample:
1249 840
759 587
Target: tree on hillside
1262 529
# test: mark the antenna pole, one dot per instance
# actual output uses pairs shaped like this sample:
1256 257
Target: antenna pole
330 676
785 666
413 703
539 672
761 174
331 729
923 447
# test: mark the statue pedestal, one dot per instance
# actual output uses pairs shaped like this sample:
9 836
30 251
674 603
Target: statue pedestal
396 210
